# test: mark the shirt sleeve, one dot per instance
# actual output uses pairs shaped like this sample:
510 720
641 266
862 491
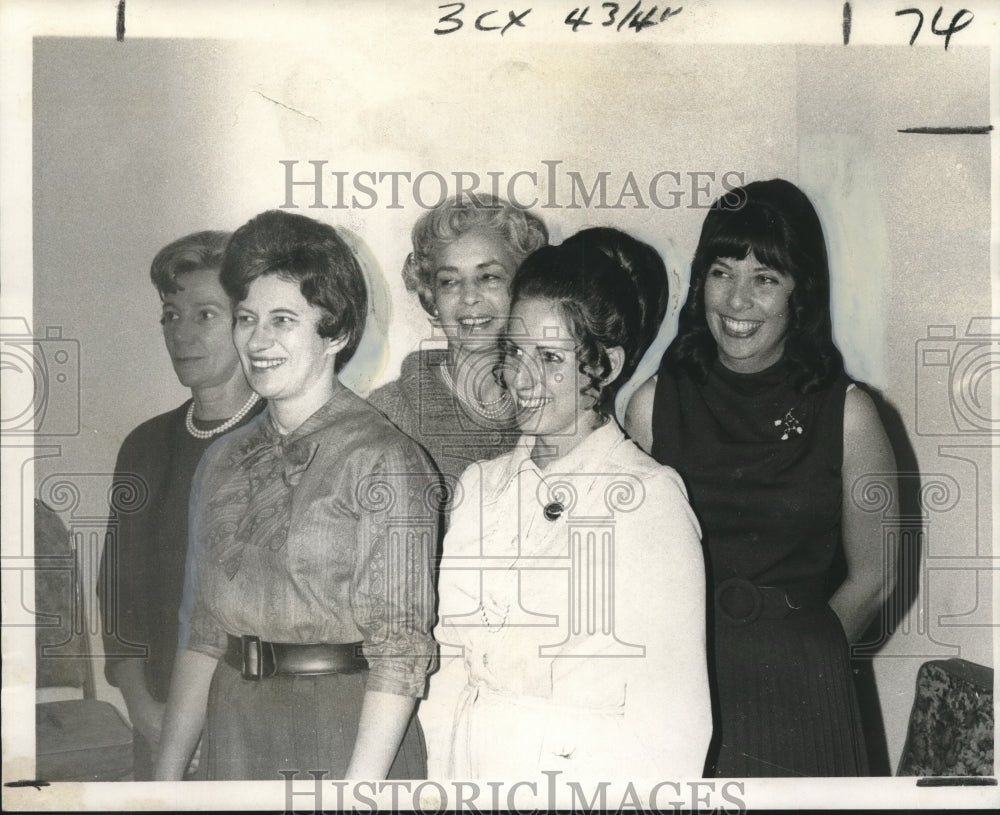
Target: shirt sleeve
199 631
438 711
661 585
392 590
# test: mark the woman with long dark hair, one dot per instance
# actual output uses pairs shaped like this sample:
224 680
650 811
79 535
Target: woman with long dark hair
754 409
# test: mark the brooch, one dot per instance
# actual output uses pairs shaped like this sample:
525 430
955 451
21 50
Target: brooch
789 424
553 511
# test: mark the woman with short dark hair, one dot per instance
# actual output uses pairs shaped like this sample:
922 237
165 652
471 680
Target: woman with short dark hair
309 600
753 407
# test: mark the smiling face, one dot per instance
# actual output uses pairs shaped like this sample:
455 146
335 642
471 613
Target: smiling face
540 369
285 359
470 283
196 322
746 306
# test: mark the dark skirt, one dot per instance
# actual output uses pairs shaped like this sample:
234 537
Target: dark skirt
786 704
299 723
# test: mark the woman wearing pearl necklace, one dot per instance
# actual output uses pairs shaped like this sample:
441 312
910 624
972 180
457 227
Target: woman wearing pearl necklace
465 253
146 555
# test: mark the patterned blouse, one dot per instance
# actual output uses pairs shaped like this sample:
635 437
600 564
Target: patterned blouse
327 534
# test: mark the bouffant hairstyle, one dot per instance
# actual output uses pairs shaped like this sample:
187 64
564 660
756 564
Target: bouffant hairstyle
611 290
778 223
307 252
192 253
523 232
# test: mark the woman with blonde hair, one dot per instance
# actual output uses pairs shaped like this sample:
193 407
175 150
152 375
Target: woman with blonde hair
465 253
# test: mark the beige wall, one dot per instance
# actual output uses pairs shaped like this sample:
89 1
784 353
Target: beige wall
138 143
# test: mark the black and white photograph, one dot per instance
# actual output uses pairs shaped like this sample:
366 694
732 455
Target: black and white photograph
499 405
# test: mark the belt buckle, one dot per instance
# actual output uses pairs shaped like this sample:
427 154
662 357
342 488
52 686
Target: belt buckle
748 591
252 657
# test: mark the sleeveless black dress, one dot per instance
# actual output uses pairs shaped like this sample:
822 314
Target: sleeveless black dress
762 464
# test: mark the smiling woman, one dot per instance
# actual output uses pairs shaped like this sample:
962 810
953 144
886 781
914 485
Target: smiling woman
746 304
753 407
565 519
287 360
305 628
465 253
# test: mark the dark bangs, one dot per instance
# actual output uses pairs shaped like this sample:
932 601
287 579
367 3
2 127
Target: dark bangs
778 223
735 233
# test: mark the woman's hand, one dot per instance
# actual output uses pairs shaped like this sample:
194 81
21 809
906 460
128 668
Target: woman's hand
871 555
185 714
145 713
384 717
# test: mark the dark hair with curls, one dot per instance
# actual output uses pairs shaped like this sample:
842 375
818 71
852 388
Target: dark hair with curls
307 252
192 253
522 231
611 290
778 223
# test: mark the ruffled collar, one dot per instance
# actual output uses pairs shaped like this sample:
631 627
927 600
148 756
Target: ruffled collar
259 456
296 449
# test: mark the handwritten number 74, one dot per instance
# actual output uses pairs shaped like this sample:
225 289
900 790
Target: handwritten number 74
957 23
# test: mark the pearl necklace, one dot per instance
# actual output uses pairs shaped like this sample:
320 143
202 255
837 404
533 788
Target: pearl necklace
495 409
234 420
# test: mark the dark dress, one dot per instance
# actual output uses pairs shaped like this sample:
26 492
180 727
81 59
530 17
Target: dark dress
762 464
142 565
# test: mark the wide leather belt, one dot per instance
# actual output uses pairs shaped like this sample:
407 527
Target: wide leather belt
739 601
256 659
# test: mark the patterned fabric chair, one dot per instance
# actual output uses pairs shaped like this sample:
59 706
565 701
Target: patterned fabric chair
951 724
75 739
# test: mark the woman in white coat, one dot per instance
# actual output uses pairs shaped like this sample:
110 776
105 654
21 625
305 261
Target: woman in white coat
572 600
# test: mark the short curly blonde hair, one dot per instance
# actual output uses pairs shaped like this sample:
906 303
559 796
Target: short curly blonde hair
523 232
